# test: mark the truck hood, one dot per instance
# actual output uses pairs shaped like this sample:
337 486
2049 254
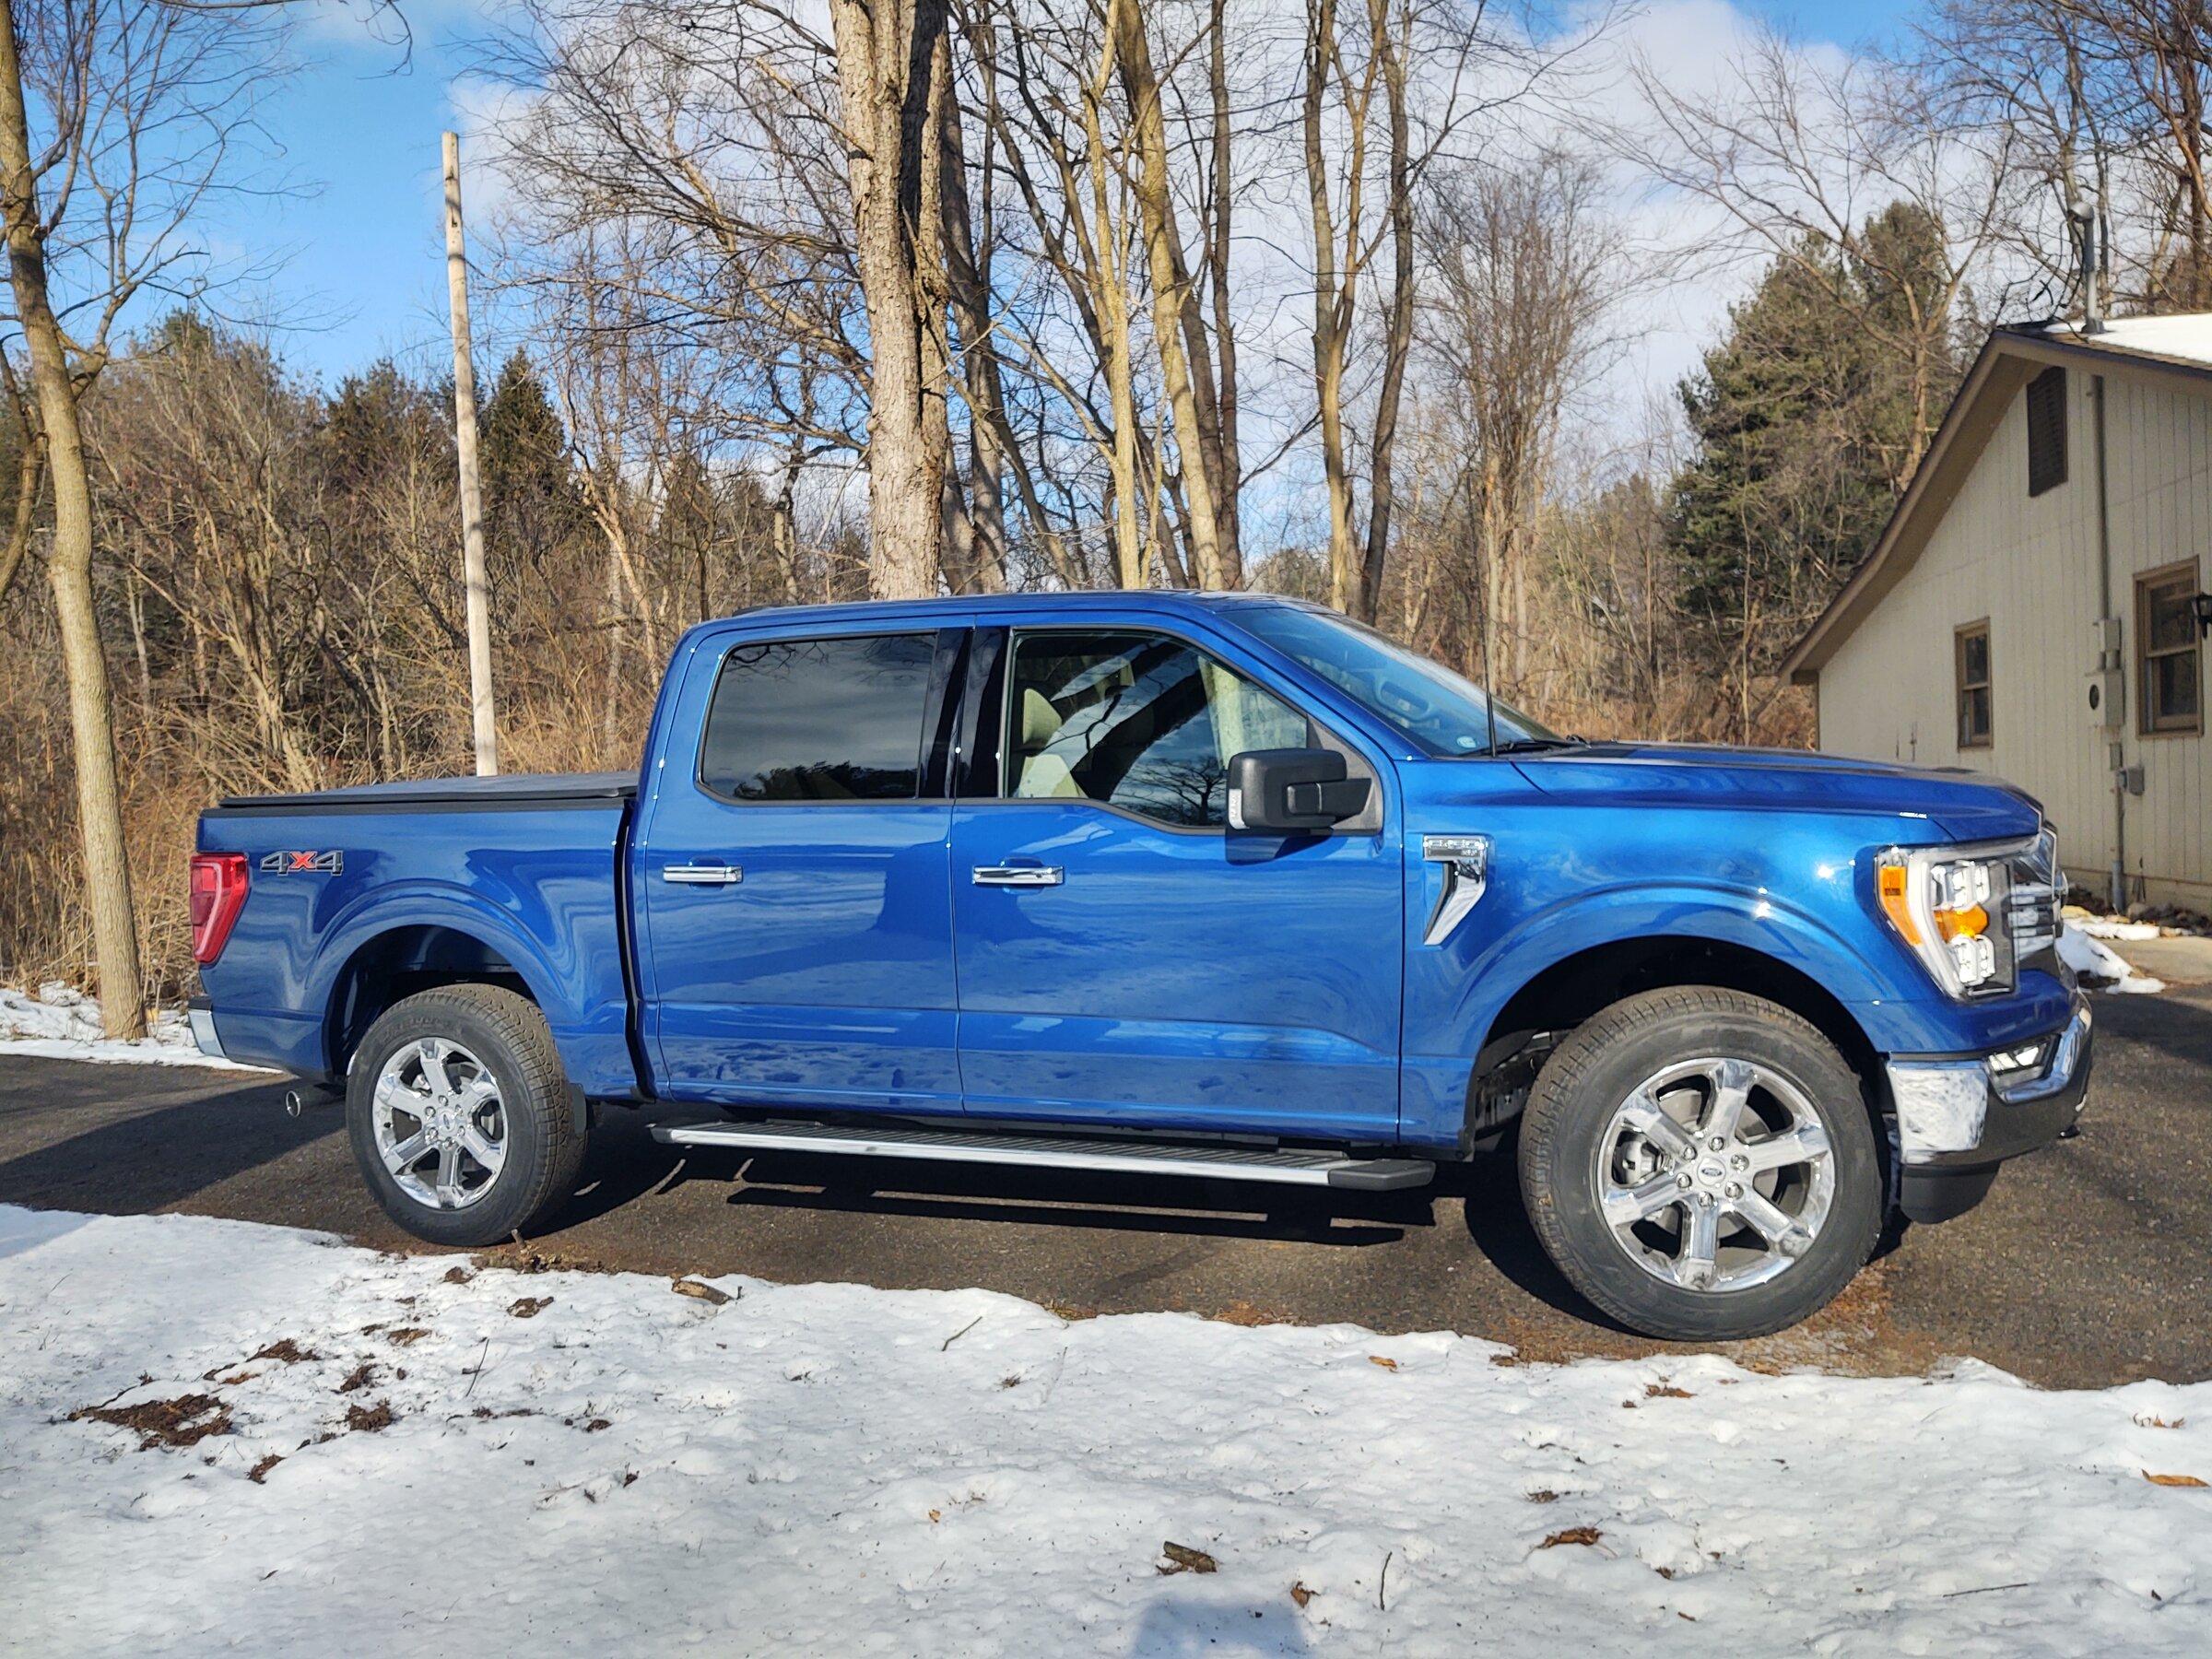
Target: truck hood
1963 806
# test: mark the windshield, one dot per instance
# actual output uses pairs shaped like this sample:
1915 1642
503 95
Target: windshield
1440 712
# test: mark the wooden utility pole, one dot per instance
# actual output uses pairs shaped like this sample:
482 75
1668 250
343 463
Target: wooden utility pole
471 494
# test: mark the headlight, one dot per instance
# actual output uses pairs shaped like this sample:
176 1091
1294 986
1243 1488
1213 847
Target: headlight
1952 905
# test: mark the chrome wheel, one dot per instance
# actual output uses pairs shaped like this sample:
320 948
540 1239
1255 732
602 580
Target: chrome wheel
440 1125
1715 1175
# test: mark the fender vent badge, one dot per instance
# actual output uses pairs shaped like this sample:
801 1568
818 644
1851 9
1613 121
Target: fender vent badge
1466 861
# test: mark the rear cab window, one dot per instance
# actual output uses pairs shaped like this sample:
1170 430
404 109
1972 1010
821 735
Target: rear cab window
835 719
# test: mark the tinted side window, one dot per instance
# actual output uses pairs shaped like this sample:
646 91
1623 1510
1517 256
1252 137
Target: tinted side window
818 720
1136 721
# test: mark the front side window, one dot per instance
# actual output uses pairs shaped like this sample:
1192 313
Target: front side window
1134 719
2165 650
818 720
1971 651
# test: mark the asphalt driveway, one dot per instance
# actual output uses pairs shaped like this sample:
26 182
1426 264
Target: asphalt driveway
2091 1263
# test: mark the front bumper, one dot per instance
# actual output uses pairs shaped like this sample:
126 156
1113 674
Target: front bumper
1959 1117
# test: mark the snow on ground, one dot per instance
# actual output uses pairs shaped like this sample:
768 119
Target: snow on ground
60 1023
2116 927
2102 967
445 1460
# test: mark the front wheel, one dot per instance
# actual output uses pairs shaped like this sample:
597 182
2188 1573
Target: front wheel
1702 1166
460 1115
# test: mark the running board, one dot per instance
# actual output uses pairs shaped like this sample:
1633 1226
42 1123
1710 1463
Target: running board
1052 1152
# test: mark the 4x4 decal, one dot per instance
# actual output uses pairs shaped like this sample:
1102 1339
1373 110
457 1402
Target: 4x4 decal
303 864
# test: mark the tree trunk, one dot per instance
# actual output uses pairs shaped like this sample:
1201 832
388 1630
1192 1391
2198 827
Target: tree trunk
1171 293
1398 343
884 69
1230 471
1332 297
91 723
967 276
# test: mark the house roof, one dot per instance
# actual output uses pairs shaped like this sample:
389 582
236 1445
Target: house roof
2172 351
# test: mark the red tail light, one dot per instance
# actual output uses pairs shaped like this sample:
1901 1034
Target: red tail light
218 893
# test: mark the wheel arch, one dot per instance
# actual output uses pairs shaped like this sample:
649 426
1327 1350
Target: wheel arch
387 966
1567 990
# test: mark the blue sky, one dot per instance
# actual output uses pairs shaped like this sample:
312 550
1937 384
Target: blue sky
361 245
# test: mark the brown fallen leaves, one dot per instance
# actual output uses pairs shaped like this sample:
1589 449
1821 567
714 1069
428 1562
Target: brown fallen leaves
700 1292
184 1421
1300 1593
259 1473
1666 1391
1383 1360
371 1419
1182 1557
1571 1534
2172 1480
529 1307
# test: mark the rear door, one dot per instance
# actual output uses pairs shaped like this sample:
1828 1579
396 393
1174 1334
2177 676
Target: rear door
791 871
1124 956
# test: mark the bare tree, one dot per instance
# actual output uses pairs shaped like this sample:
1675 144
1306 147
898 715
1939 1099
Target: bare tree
1796 158
140 108
1525 277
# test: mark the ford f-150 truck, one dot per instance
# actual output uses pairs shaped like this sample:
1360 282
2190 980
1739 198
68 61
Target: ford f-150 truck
1178 887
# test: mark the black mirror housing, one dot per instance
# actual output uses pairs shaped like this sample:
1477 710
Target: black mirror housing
1292 790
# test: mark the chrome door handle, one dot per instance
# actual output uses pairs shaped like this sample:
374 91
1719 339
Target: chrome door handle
1016 874
715 875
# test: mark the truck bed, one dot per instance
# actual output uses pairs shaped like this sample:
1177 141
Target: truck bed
356 894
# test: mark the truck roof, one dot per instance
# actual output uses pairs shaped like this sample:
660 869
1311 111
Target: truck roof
1169 599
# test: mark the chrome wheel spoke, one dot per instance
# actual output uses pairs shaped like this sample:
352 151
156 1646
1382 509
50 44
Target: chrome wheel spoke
1644 1115
1697 1264
1732 1082
431 1054
400 1157
1625 1206
1804 1142
1772 1223
449 1178
489 1154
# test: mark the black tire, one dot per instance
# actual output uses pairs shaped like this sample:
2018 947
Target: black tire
1600 1066
543 1147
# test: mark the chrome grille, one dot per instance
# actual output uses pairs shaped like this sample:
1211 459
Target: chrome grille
2038 888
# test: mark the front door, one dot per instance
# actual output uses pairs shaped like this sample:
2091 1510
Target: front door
797 940
1124 956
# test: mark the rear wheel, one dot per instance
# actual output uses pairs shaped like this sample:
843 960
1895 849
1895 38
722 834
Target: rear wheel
1700 1165
460 1115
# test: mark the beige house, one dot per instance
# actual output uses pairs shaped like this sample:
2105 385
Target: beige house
2034 606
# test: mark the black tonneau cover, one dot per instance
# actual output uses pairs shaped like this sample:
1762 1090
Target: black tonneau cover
515 791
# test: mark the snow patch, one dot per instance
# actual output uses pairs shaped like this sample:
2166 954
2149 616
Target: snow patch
833 1468
2099 966
60 1023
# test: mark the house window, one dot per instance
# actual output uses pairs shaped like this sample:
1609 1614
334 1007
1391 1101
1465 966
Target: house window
2165 650
2046 432
1970 657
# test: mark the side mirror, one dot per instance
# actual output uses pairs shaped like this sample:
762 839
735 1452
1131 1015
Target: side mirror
1293 790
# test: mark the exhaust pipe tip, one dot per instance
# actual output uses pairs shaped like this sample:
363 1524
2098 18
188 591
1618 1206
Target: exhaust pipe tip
292 1103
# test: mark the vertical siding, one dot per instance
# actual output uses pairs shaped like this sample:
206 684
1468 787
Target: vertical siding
2029 565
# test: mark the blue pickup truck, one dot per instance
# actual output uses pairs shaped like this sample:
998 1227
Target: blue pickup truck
1180 887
